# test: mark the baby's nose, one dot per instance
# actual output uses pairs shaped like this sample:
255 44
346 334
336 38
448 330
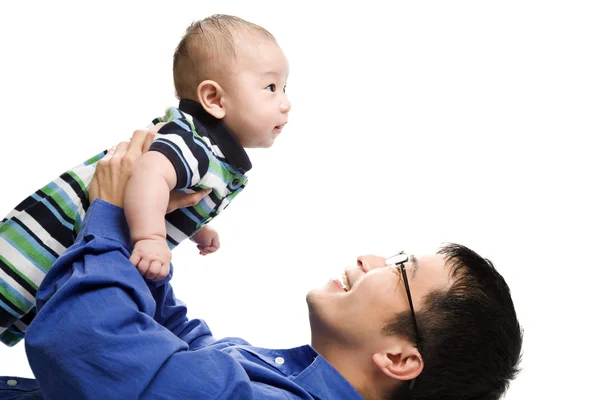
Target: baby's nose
286 106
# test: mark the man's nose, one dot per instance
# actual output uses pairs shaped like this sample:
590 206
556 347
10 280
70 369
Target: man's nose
369 262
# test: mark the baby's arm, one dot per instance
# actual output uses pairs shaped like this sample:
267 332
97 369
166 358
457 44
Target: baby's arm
145 203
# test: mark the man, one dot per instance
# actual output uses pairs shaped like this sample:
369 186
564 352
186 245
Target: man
439 326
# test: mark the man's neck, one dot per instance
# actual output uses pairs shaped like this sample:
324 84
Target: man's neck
353 364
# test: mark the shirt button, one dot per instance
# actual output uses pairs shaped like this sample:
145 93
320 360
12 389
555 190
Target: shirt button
235 182
279 360
11 382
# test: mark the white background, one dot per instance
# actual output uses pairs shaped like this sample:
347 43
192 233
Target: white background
465 121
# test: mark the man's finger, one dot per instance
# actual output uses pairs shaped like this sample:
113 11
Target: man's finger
151 135
155 128
137 141
110 153
121 149
192 199
182 200
148 141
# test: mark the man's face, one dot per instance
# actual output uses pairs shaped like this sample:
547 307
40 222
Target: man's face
256 104
375 293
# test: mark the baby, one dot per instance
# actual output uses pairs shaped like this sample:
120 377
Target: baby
230 76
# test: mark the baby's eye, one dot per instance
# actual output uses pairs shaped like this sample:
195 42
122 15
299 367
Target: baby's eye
271 87
285 87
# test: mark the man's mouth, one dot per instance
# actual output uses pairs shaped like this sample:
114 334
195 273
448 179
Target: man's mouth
339 284
344 281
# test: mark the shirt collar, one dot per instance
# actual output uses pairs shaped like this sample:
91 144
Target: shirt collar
218 132
309 370
323 381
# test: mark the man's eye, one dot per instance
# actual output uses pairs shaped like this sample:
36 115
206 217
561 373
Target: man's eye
397 270
271 87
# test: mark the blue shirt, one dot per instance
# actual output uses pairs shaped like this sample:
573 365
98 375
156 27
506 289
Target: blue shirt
103 332
17 388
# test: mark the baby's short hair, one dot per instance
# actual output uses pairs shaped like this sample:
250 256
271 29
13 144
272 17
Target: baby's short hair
207 48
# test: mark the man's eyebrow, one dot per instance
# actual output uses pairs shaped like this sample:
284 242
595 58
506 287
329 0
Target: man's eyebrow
415 264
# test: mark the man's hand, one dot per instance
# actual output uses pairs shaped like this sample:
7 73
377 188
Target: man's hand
182 200
114 169
152 257
207 240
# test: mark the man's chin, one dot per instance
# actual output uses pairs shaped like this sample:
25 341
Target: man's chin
312 298
324 301
321 294
316 300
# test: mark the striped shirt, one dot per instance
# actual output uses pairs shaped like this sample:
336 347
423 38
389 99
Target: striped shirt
36 232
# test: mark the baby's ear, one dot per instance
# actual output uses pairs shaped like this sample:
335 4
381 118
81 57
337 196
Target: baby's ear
210 95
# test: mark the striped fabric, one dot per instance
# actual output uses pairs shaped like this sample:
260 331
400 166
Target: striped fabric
37 231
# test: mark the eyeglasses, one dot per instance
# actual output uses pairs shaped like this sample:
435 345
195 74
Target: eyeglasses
397 261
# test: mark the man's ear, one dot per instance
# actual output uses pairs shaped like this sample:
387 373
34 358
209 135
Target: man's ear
210 95
402 362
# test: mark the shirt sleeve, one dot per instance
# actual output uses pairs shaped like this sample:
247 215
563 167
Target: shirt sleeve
97 333
172 314
190 156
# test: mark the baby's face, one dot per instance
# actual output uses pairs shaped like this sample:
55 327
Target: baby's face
256 104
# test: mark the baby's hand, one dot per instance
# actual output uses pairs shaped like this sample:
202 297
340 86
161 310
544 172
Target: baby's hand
207 240
152 257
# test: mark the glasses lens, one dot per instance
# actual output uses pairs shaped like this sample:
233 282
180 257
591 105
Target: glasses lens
397 259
